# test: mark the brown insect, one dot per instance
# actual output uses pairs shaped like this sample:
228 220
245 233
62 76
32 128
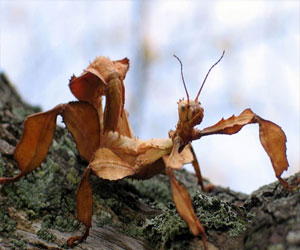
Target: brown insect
106 141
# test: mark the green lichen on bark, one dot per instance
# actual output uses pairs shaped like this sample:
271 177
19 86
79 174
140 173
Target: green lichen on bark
167 228
7 225
155 189
46 194
2 166
219 215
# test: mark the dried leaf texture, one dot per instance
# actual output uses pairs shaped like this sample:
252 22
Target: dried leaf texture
124 126
97 74
103 77
104 68
271 137
122 67
231 125
36 139
151 155
273 140
85 200
147 171
132 146
108 165
114 104
176 160
144 156
82 121
185 208
87 87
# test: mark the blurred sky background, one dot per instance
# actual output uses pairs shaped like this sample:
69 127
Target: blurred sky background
42 43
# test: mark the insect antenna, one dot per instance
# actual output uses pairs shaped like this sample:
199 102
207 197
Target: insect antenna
181 67
208 74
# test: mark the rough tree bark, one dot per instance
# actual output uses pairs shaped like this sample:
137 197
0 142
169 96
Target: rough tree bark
39 210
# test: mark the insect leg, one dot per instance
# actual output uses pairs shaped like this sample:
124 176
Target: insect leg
84 207
196 166
271 136
35 142
185 208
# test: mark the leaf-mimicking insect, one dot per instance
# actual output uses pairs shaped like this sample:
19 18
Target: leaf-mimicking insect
106 141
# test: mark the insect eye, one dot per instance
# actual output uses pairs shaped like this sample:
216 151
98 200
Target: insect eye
182 107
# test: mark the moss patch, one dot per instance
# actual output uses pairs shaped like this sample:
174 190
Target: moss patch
168 229
155 189
219 215
2 166
17 242
46 194
21 112
164 228
7 225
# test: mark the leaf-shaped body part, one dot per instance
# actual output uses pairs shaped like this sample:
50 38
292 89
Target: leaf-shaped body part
271 137
229 126
124 126
36 139
143 155
115 99
151 155
132 146
150 163
84 200
273 140
103 76
108 165
103 67
149 170
112 74
95 76
185 208
122 67
82 121
176 160
87 87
